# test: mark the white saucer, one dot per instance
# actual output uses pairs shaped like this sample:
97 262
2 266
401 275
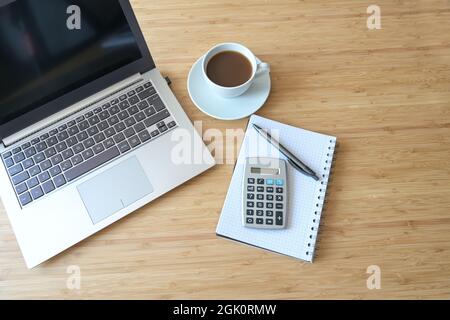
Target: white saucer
222 108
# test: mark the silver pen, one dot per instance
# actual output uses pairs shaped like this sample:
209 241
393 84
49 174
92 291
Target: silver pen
293 160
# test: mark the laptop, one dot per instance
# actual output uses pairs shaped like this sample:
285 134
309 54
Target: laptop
90 131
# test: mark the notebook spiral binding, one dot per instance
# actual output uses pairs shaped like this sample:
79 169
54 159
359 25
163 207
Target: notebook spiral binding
325 176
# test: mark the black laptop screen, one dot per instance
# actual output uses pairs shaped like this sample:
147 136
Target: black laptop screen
51 47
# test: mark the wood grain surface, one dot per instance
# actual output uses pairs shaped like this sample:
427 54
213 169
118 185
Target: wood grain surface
384 93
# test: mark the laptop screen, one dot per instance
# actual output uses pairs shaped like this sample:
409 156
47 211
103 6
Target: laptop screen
51 47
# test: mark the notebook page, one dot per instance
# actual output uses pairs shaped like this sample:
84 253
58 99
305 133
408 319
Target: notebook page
304 205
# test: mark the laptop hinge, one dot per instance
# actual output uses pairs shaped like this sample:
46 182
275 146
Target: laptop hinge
83 104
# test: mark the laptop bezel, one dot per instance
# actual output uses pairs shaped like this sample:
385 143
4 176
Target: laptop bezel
142 65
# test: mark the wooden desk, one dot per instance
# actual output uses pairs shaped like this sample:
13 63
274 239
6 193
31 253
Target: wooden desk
385 95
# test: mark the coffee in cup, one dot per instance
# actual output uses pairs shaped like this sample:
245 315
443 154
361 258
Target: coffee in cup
231 68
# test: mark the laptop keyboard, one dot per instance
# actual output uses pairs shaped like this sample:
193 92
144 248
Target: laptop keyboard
54 159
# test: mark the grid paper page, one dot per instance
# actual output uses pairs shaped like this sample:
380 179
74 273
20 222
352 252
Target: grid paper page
305 195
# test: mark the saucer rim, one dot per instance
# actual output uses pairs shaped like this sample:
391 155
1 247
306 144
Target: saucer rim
218 117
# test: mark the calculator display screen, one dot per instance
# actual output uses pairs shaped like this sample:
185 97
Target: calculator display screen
268 171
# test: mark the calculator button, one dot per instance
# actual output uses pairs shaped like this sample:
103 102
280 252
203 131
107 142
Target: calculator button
260 189
279 206
260 181
250 196
250 212
260 204
269 189
279 198
269 213
279 190
250 188
251 180
269 197
279 182
249 220
260 196
259 221
269 205
269 182
259 213
269 221
250 204
279 218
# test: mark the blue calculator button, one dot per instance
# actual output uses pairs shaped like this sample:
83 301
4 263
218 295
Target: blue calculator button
269 182
279 182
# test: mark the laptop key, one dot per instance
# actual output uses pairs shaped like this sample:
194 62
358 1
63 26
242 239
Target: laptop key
55 171
147 93
44 176
46 165
92 163
67 154
157 118
87 154
171 124
129 132
51 141
30 152
83 125
99 137
56 159
27 163
155 133
139 89
34 171
92 131
9 162
21 188
103 115
66 165
17 150
113 120
148 85
144 136
94 120
78 148
59 181
139 127
123 115
60 147
25 199
76 160
133 100
33 182
73 130
109 143
48 187
26 145
7 154
82 136
119 137
98 148
19 157
134 141
140 116
120 126
71 141
41 146
110 132
130 122
124 146
123 105
88 143
150 111
133 110
143 105
102 126
15 170
50 152
19 178
53 132
62 136
39 157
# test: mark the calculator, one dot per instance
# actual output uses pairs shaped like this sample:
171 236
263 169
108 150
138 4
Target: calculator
264 193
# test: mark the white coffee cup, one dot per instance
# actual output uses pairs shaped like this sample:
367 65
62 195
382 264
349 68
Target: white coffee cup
231 92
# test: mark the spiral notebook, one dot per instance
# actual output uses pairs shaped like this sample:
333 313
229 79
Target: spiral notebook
305 195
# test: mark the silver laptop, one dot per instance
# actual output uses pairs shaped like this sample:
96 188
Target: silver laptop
90 131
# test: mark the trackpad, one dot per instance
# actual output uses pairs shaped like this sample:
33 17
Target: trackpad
114 189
